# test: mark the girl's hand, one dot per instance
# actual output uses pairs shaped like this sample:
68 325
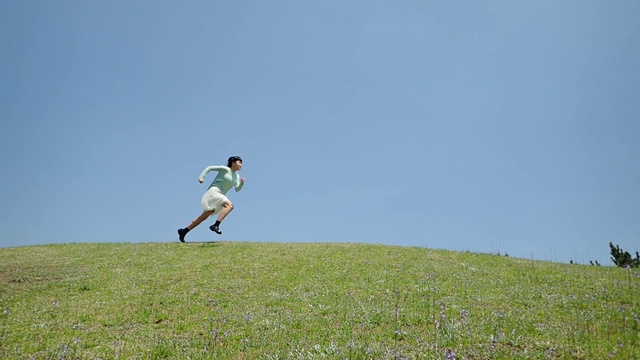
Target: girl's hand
242 180
200 181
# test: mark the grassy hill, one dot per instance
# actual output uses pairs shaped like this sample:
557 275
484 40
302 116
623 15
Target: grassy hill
308 301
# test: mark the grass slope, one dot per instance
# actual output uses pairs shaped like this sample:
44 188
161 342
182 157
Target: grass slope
308 301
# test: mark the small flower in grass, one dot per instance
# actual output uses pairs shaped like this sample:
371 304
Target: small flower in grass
431 276
463 315
449 355
399 334
443 308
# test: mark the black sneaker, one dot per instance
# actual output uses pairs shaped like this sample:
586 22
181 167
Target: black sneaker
182 233
215 229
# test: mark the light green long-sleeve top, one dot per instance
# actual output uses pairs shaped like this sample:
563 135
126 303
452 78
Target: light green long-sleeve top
225 180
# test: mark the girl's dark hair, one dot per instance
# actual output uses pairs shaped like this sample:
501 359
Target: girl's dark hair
233 159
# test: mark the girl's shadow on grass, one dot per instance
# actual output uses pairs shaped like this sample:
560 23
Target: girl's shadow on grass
205 243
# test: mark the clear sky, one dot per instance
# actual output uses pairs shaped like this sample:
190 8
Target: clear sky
488 126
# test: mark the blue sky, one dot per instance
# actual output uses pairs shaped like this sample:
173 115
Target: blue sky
488 126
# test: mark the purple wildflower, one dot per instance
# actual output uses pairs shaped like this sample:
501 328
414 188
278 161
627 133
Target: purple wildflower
443 316
399 333
449 355
463 315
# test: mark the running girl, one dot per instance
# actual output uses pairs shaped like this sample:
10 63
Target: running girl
214 200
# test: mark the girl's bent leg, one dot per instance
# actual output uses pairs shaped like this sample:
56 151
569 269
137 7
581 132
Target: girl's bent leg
226 209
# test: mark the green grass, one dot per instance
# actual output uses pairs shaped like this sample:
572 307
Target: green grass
308 301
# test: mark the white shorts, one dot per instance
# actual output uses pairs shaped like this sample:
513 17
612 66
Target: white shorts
213 199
